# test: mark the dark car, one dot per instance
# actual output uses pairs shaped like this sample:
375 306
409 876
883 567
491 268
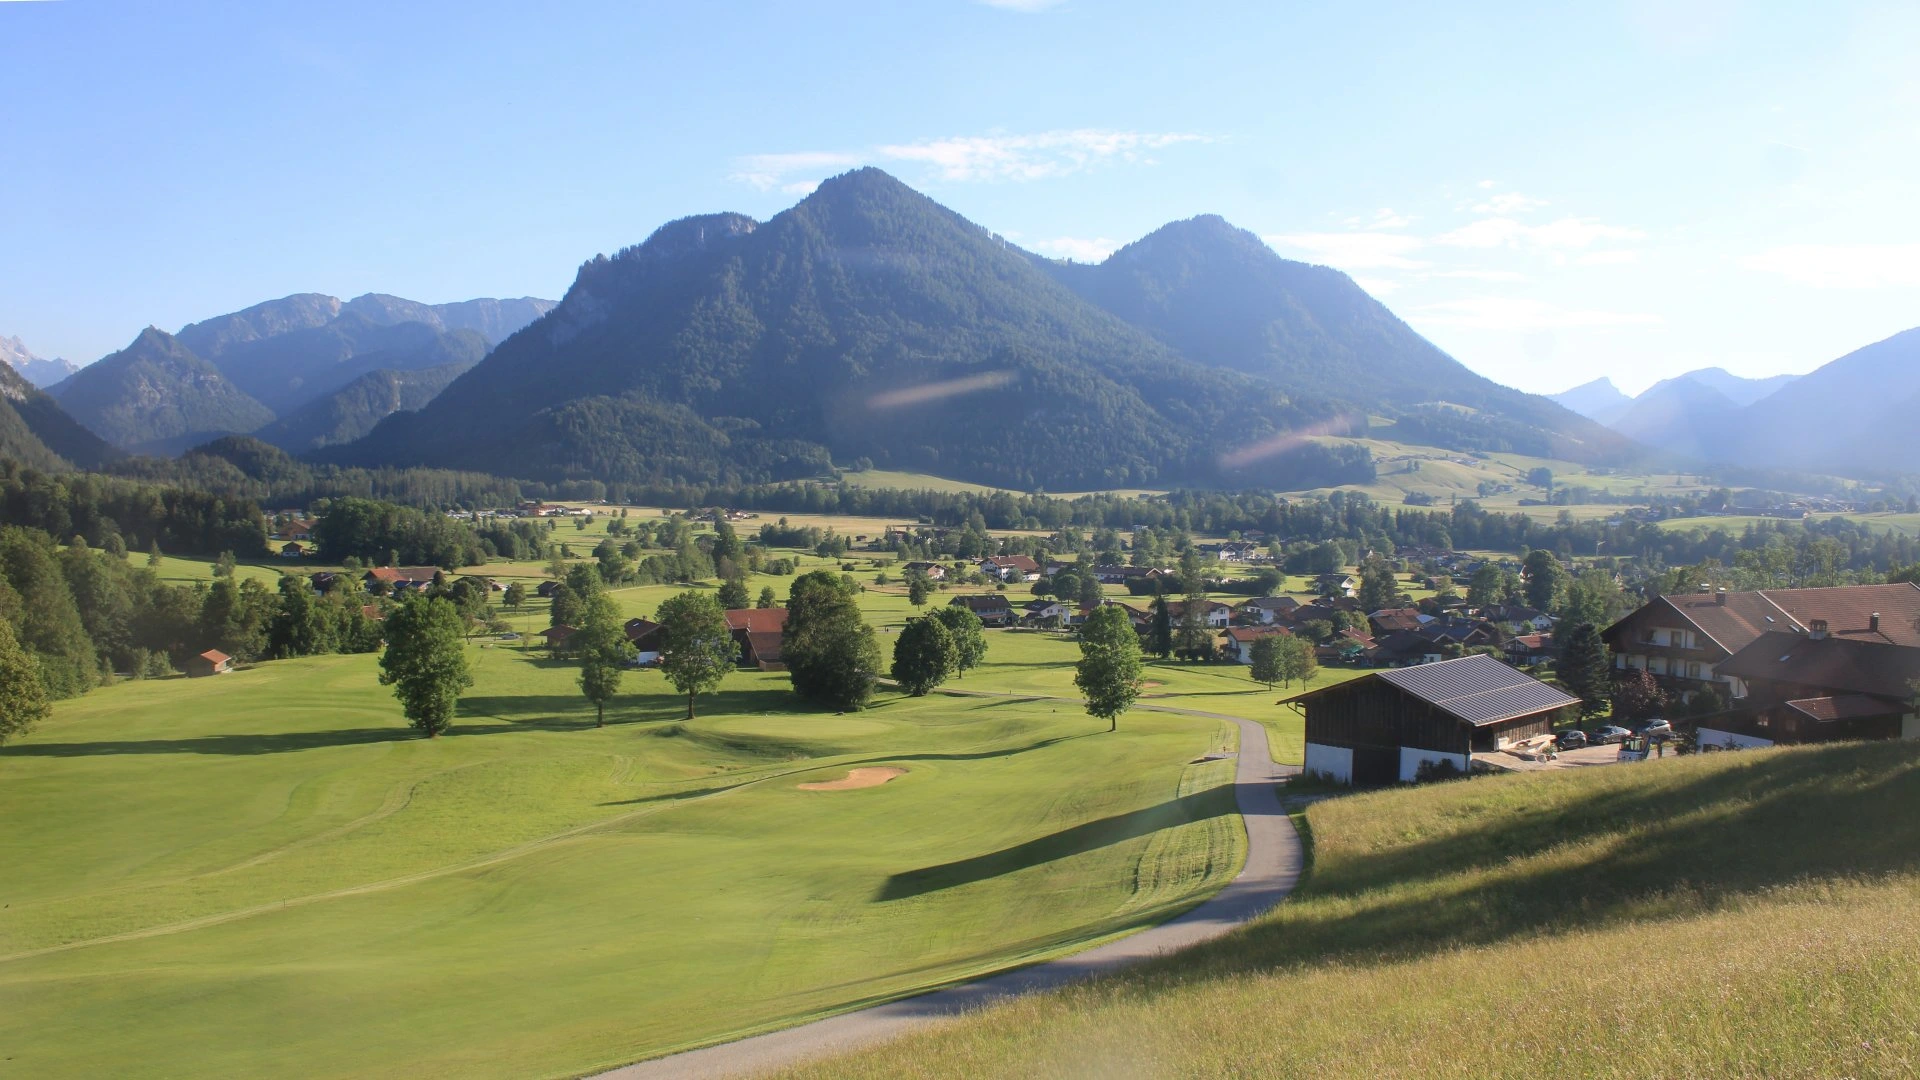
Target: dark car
1570 739
1608 734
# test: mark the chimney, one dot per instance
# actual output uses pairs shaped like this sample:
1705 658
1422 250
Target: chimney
1817 630
1720 598
1873 622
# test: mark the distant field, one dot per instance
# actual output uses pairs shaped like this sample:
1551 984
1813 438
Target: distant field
1906 524
1732 915
265 874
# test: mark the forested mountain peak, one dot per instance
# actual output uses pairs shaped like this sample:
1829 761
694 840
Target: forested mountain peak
35 431
1220 295
865 321
157 395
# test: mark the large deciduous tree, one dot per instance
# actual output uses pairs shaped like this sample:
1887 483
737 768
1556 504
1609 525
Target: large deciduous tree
923 656
1545 579
697 650
604 651
1265 656
829 649
23 696
425 662
1109 670
968 634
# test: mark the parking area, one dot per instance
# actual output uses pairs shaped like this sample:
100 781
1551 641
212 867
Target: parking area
1584 757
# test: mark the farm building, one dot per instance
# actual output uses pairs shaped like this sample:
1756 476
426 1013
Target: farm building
993 610
758 630
1382 727
646 635
211 662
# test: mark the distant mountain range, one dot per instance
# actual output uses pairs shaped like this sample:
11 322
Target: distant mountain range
870 322
291 369
40 372
1841 418
35 431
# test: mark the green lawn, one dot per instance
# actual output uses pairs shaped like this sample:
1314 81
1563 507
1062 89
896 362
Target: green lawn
1732 915
266 874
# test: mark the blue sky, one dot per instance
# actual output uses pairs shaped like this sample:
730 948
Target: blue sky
1633 189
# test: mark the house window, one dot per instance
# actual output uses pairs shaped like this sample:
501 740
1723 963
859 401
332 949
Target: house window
1657 665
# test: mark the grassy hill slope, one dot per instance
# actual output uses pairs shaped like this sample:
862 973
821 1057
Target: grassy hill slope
1750 914
192 862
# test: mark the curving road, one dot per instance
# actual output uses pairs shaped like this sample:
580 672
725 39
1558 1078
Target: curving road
1274 859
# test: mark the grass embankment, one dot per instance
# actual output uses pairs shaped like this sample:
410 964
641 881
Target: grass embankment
1742 915
266 874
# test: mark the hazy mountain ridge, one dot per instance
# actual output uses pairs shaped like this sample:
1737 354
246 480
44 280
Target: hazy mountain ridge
354 409
788 344
157 396
1219 295
37 370
785 344
35 431
1599 400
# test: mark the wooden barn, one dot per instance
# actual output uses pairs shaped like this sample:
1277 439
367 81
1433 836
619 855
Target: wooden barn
1381 727
211 662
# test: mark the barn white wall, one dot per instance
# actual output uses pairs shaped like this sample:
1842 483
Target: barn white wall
1710 737
1334 762
1412 756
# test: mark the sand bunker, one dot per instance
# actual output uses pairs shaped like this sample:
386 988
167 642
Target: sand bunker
858 778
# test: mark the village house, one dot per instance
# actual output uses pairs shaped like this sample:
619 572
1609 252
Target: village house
1218 615
1517 619
645 636
991 609
758 632
1010 567
1529 648
1382 727
557 636
933 570
1848 679
401 578
300 529
1121 575
1266 610
292 549
1045 612
1388 620
211 662
1342 585
1683 639
1237 643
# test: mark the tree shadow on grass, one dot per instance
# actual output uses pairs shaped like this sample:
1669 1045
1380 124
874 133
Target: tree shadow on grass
1087 836
233 745
1625 855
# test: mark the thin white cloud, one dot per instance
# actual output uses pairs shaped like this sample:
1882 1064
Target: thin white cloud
1033 157
1509 202
976 158
769 171
1486 185
1079 249
1842 266
1498 232
1354 250
1383 218
1025 6
1623 257
1520 314
1376 286
1481 275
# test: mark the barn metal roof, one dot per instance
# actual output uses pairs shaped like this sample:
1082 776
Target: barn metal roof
1477 689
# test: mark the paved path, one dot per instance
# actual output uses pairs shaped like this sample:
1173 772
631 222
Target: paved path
1274 859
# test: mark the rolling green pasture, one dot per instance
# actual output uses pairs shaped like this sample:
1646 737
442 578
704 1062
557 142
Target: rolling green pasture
1903 523
1729 915
266 873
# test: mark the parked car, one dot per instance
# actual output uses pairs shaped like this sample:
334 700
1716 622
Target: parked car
1570 739
1654 729
1608 734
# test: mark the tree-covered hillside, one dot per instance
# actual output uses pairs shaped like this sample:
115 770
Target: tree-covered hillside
36 432
1220 296
865 322
353 410
156 396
